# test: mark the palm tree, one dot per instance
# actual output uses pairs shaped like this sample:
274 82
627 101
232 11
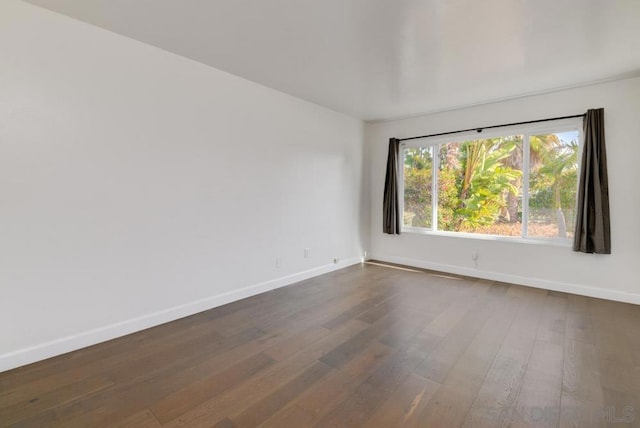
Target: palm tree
555 162
486 179
540 147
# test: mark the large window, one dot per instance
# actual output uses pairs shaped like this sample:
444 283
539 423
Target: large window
518 182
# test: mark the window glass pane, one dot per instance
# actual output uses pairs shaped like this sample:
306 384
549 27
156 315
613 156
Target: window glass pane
418 166
553 175
480 186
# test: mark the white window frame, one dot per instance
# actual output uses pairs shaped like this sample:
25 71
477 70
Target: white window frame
541 128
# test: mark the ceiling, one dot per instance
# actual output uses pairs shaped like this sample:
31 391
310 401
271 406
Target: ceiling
381 59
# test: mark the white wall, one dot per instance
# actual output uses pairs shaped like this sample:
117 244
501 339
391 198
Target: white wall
137 186
614 276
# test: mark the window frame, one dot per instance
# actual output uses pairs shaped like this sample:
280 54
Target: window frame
541 128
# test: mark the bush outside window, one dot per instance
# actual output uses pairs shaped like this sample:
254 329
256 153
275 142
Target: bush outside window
515 183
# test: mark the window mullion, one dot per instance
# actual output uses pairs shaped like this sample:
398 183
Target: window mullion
434 185
525 184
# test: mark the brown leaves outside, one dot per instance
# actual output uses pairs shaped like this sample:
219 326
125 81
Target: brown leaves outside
515 229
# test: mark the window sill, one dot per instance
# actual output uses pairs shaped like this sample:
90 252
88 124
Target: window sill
535 241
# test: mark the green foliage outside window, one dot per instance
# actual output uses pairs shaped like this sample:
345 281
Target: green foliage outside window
479 184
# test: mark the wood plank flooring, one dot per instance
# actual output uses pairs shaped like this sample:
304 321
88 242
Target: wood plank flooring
368 345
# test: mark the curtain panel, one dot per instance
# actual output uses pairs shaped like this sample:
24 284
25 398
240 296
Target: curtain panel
391 203
592 234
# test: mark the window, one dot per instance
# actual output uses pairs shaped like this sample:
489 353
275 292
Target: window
516 182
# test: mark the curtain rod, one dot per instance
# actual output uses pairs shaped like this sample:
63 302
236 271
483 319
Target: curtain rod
480 129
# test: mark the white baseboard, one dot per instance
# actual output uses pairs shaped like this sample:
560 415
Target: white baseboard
66 344
601 293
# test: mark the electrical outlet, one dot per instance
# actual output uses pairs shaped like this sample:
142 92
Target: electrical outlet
278 262
307 253
335 260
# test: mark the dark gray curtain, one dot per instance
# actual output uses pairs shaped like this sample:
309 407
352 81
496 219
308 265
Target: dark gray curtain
391 205
592 233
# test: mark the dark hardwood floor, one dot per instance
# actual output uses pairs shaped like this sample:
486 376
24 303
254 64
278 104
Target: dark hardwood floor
366 346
